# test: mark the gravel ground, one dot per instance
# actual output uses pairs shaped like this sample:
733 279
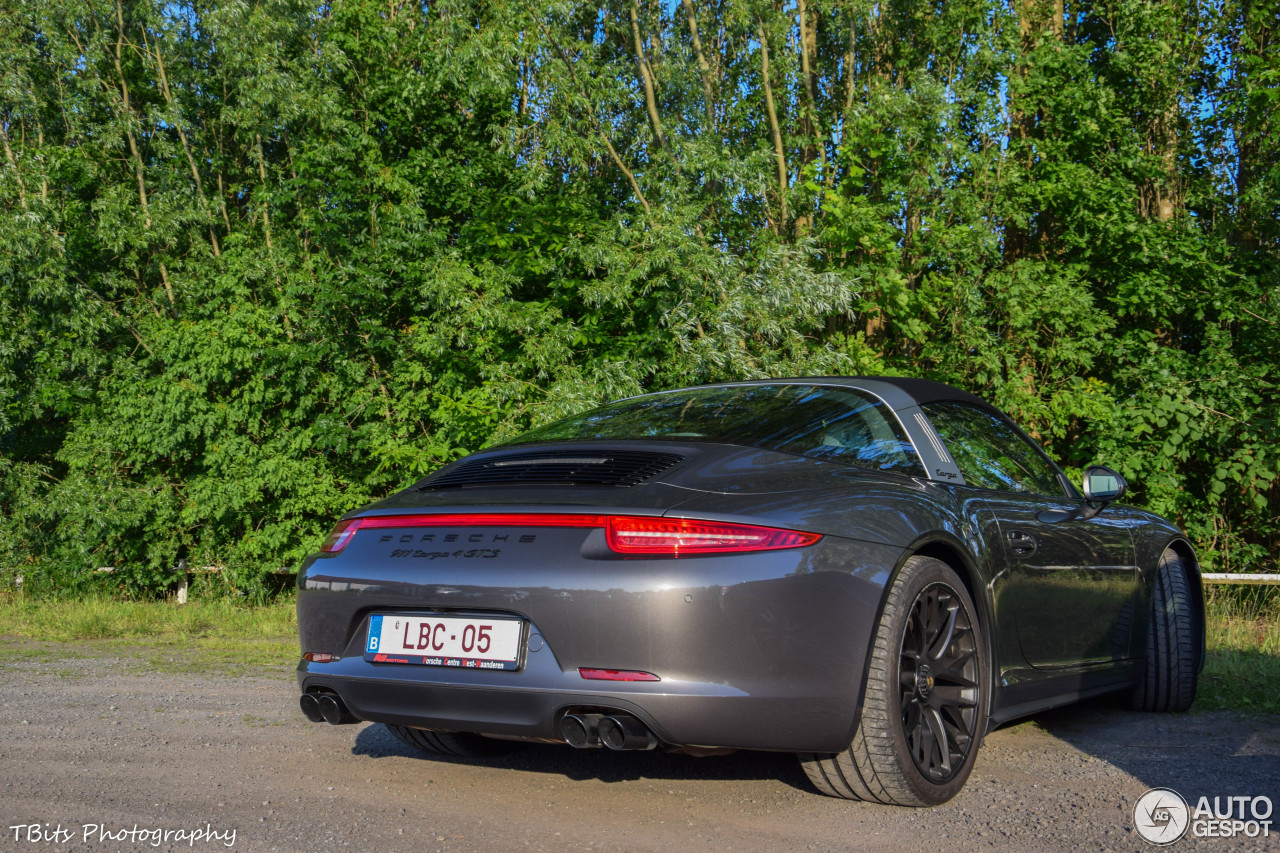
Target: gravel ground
104 739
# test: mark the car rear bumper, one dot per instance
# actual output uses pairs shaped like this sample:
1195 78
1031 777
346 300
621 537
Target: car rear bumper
529 703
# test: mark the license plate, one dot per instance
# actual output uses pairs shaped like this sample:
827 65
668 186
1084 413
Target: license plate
465 642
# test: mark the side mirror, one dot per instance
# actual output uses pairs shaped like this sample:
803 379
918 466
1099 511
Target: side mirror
1101 486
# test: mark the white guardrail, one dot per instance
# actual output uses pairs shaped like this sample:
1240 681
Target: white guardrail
184 573
1254 579
1257 579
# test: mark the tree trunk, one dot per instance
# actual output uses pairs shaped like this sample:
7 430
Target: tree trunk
647 83
774 130
704 68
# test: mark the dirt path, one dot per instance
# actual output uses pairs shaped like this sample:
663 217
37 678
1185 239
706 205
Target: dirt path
102 740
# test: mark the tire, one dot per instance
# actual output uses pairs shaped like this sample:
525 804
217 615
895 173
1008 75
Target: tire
1122 631
916 687
1169 676
454 744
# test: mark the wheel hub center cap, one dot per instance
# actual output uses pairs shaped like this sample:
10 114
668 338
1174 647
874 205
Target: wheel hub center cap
924 681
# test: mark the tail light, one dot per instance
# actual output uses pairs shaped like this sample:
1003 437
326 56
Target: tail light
640 535
341 535
677 536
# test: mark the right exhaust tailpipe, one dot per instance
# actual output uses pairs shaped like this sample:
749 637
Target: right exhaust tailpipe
332 710
623 731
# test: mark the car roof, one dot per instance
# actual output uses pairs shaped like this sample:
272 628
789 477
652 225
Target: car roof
904 395
899 392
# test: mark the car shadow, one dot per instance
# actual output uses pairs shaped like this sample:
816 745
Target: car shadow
375 741
1210 753
1215 753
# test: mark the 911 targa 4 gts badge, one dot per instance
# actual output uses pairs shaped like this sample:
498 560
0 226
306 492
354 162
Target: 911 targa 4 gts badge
483 553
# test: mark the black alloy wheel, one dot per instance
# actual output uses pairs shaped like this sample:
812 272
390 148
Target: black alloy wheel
938 675
925 703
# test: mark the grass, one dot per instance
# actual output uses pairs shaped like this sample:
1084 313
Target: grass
1240 673
200 636
109 619
1242 668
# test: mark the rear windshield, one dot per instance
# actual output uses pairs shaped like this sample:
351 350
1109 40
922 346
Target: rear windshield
836 424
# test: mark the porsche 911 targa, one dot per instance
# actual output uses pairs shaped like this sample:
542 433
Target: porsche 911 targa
870 573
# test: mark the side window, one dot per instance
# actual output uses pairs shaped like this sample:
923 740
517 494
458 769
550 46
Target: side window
858 434
990 452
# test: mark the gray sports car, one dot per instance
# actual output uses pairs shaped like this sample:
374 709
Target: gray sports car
869 572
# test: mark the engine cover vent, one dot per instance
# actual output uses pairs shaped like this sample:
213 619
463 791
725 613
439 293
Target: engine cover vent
620 468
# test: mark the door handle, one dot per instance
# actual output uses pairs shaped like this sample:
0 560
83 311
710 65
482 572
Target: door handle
1020 543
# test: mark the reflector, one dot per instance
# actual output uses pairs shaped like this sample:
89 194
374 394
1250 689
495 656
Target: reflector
616 675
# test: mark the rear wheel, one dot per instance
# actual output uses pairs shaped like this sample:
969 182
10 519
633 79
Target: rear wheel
1172 668
924 708
454 744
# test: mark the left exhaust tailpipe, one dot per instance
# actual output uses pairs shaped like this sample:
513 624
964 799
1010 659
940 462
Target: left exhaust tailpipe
331 708
310 705
579 730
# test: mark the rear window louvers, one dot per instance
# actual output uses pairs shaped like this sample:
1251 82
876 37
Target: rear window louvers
557 468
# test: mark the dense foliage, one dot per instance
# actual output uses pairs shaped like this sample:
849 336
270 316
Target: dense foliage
262 262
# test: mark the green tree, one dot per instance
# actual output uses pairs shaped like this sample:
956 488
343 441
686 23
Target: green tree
260 264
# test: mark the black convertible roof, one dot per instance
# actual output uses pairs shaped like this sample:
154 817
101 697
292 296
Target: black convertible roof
920 390
904 395
916 391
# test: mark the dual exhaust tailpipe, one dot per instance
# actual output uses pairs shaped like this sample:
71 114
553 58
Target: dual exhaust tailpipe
325 708
615 731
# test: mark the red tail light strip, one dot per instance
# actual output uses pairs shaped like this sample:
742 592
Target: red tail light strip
342 534
671 537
